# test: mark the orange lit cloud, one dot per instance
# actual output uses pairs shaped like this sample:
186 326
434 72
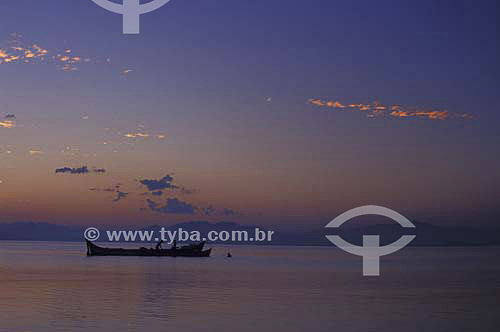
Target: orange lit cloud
136 135
35 152
144 135
126 71
7 124
376 109
17 51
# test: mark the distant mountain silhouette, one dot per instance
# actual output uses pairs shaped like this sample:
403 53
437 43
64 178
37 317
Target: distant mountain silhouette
31 231
426 234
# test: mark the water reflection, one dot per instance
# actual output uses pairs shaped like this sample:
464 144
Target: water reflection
55 287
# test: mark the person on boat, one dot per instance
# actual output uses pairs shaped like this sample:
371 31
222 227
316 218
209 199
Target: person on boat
174 246
158 245
229 255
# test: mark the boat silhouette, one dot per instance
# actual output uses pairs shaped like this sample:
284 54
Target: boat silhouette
191 250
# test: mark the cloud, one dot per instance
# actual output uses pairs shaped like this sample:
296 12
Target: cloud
136 135
376 109
144 135
7 124
209 211
79 170
120 195
16 50
114 189
229 212
187 191
172 206
109 190
164 183
9 120
155 187
126 71
35 152
225 212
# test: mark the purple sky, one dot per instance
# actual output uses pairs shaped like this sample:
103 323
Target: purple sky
282 113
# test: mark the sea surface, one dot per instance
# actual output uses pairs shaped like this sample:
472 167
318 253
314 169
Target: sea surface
51 286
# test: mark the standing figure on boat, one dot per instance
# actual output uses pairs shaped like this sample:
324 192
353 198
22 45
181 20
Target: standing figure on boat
158 245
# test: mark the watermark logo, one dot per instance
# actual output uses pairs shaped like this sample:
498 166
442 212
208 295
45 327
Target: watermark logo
91 234
131 11
371 251
179 234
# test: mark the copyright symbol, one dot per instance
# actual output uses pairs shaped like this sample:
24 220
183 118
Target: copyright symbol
91 234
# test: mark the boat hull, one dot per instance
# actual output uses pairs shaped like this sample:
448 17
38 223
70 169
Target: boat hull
189 251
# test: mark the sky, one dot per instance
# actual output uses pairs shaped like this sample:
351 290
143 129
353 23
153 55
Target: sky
276 113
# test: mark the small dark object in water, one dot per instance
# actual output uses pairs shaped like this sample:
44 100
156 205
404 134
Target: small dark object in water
229 255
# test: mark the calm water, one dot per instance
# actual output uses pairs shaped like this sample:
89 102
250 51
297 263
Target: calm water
54 287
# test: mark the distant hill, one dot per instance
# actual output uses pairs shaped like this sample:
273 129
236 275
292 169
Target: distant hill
34 231
426 234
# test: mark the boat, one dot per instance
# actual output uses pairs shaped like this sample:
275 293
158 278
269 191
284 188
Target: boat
191 250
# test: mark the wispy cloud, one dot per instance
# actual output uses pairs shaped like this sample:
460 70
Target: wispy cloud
16 50
377 109
144 135
120 195
7 124
69 170
164 183
126 71
35 152
9 121
172 206
107 190
136 135
176 206
156 186
214 211
78 170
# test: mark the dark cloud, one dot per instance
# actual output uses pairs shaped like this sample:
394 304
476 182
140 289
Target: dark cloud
120 195
209 211
69 170
213 211
186 191
164 183
79 170
172 205
229 212
108 190
167 182
113 189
